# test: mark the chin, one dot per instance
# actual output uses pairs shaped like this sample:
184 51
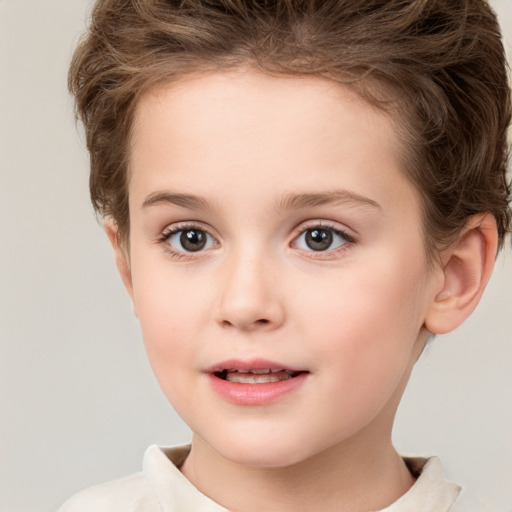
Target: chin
261 451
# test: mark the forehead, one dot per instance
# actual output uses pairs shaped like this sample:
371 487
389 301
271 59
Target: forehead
247 98
236 129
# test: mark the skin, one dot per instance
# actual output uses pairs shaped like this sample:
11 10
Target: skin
355 316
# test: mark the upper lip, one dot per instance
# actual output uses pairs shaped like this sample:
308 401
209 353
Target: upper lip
250 364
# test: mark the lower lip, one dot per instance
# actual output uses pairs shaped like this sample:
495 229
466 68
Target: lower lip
256 394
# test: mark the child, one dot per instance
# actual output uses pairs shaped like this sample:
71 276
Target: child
299 195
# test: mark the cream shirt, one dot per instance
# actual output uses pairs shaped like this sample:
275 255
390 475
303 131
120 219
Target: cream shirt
161 487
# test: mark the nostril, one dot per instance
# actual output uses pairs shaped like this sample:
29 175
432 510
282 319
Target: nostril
250 325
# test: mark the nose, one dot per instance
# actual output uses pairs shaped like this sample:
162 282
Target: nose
250 294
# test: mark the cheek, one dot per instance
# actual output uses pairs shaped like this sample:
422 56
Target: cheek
170 314
169 330
370 297
365 325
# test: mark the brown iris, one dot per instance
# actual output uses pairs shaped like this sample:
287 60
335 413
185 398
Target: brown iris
318 239
193 240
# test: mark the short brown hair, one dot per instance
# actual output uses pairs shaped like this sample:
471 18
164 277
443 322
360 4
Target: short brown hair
439 63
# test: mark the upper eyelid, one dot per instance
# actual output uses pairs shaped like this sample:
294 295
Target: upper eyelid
324 224
183 226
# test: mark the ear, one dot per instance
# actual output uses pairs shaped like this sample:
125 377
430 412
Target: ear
466 268
120 256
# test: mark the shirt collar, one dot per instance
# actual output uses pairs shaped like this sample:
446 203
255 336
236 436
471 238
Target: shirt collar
430 493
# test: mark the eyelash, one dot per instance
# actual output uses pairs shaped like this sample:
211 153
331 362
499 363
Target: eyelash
303 228
170 231
349 240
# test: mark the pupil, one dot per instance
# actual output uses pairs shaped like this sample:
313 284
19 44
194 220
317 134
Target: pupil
193 240
318 239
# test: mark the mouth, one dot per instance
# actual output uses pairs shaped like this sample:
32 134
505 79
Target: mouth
256 376
255 382
254 371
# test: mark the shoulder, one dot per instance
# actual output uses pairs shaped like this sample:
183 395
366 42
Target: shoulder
432 492
160 485
129 494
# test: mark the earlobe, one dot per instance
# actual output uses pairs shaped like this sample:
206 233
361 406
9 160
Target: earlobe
466 269
120 256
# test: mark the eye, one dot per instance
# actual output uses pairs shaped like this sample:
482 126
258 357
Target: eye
321 238
189 240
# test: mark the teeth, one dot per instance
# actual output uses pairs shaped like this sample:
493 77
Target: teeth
256 378
255 375
257 372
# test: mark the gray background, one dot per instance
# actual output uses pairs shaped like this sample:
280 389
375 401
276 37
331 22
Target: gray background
78 402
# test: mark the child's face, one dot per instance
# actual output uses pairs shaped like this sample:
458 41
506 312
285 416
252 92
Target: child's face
241 188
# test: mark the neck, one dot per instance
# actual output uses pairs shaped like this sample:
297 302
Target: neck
347 477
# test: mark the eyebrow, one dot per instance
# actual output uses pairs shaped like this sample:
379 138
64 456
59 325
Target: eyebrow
287 202
297 201
185 200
